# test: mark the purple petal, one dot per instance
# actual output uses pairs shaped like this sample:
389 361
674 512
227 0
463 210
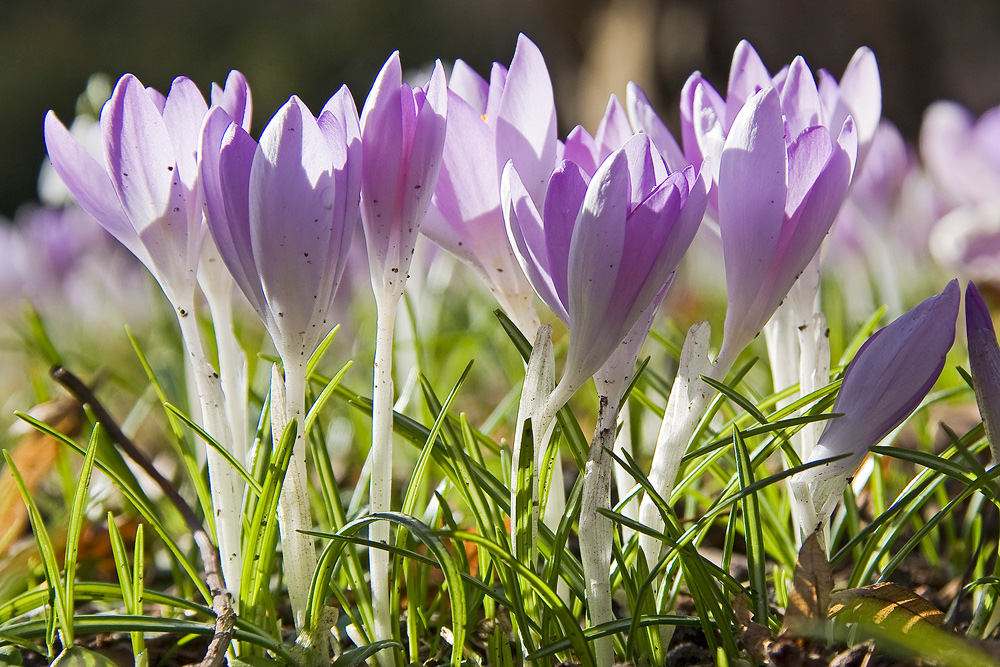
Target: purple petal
527 237
563 200
889 376
747 76
752 194
87 180
595 259
143 168
808 154
466 83
340 125
581 149
466 203
183 114
498 80
984 361
235 98
291 199
800 99
226 157
614 129
861 91
645 119
526 119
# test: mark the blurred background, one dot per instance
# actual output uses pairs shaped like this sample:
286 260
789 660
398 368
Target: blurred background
926 49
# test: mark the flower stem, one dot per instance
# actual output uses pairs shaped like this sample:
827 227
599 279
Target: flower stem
226 487
232 367
381 468
688 399
294 515
596 530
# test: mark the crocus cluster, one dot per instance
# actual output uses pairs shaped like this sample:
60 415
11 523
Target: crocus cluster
595 226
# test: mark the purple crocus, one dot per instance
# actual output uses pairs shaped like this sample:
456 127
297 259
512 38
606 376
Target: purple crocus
604 247
403 133
984 360
282 213
962 155
147 193
707 118
883 385
777 200
512 117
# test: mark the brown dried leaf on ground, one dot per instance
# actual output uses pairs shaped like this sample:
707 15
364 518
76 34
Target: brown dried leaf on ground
809 599
888 605
34 456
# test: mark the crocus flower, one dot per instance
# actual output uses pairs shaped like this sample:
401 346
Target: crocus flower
961 152
603 247
707 118
147 193
883 385
403 133
984 360
282 213
777 200
510 118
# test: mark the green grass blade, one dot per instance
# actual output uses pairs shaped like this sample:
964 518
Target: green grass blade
129 488
323 397
752 531
77 514
214 444
320 351
63 614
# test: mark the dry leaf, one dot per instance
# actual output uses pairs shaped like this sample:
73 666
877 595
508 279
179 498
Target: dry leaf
887 605
34 455
755 637
809 600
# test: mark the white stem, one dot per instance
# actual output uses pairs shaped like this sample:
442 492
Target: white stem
294 515
689 397
539 381
781 339
596 529
380 489
225 484
232 367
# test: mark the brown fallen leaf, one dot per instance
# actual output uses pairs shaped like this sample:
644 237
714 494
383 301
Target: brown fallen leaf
887 605
809 599
34 455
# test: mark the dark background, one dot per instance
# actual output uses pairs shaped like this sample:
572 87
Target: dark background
927 50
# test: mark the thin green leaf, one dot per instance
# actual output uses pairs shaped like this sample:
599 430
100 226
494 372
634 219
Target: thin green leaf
213 443
323 397
77 514
50 563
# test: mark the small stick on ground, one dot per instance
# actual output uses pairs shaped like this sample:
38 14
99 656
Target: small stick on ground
215 656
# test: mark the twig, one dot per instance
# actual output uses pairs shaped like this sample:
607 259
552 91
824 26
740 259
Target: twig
215 656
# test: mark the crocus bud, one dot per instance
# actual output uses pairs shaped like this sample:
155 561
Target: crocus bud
984 360
777 200
283 212
603 248
883 385
403 132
